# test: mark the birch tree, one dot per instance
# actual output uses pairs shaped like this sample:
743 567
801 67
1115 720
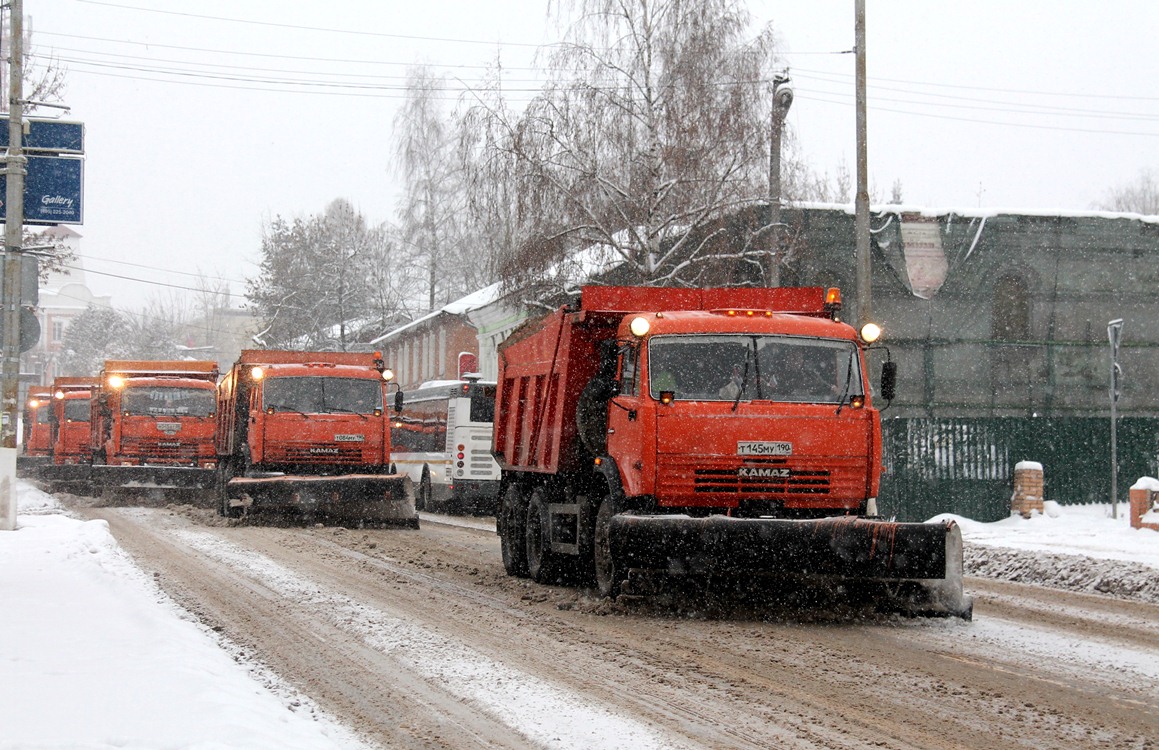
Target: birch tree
431 204
652 131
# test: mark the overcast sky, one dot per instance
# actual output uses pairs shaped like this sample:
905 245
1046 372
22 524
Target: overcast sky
206 119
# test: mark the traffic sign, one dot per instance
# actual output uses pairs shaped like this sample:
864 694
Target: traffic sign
52 190
29 329
52 136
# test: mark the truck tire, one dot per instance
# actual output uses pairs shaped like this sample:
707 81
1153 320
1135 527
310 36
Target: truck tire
608 578
423 496
225 472
543 565
512 538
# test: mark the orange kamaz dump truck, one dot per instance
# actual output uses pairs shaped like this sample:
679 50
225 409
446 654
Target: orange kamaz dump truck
650 433
309 433
151 425
71 430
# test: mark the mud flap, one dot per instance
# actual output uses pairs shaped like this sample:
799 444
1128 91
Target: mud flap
380 498
927 558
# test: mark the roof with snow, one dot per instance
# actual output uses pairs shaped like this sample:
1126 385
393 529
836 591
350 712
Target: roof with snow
461 306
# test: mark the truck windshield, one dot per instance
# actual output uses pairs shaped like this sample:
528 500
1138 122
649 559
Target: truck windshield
319 395
77 410
748 367
156 400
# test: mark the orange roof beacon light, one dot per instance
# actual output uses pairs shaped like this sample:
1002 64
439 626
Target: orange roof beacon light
832 301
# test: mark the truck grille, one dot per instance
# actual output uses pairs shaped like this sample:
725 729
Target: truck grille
315 453
164 450
723 478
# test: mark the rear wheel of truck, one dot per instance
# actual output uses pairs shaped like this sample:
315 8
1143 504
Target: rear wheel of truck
608 578
225 473
512 543
543 565
423 496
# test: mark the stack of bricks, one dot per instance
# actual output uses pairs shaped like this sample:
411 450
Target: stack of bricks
1027 496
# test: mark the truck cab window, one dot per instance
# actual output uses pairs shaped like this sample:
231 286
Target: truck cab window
628 379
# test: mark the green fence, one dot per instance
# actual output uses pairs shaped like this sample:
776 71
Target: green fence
966 466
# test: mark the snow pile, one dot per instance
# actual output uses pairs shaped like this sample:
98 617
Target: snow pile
1073 547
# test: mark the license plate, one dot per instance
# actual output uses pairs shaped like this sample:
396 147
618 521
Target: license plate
763 448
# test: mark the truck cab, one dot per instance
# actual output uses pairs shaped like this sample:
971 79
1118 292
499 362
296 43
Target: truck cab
745 412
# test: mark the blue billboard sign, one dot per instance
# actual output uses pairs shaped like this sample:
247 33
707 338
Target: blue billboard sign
50 136
52 191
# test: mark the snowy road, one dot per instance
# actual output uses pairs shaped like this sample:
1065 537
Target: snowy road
417 639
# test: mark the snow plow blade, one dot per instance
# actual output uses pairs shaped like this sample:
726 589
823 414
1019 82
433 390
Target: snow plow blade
922 561
32 466
381 498
152 477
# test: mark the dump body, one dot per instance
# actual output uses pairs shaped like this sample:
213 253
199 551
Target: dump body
152 424
724 435
308 432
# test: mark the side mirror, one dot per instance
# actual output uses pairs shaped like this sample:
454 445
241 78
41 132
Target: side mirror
888 380
398 399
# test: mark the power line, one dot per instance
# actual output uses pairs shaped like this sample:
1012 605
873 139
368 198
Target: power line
1101 131
301 58
379 34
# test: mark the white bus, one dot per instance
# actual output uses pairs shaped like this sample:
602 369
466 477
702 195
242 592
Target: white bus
441 439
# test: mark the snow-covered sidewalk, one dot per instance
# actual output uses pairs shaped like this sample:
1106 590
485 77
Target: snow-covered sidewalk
93 655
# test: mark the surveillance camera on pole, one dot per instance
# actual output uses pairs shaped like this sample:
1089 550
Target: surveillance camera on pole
782 100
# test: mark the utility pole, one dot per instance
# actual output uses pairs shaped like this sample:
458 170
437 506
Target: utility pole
861 207
782 100
13 242
1114 334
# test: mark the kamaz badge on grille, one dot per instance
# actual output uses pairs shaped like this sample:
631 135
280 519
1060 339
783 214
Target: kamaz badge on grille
769 472
763 448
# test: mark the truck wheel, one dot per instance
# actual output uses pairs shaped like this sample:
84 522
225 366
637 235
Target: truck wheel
423 496
225 472
512 510
608 579
543 565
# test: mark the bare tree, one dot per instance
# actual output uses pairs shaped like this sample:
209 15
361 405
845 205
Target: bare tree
652 131
44 76
1140 196
431 205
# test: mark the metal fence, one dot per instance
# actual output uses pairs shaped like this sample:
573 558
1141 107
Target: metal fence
966 466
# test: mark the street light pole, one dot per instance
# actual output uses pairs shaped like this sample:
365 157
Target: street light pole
13 240
861 207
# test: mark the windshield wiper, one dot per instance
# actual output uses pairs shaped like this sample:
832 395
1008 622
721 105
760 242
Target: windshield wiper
744 383
848 385
286 407
344 410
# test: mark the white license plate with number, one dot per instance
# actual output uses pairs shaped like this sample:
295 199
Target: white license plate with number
763 448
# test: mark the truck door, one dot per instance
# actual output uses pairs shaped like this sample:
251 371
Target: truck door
625 425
